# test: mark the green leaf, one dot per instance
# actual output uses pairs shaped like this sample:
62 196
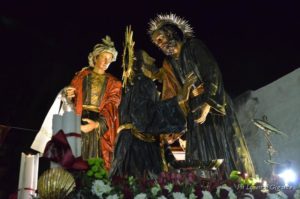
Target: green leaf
95 168
90 173
235 175
98 175
91 161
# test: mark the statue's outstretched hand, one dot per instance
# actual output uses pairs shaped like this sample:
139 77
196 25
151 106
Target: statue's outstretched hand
69 91
91 125
204 110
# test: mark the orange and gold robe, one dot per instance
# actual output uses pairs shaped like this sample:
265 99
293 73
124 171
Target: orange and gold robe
106 106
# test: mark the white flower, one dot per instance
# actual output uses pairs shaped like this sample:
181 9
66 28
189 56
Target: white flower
115 196
155 189
282 195
99 188
141 196
192 196
297 194
278 195
248 195
169 187
131 180
231 195
162 197
206 195
178 195
192 190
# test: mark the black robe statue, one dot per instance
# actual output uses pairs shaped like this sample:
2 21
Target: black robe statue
138 155
219 137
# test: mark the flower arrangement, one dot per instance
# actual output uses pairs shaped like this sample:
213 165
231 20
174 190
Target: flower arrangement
94 184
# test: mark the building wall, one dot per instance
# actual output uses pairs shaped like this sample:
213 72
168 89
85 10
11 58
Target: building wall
279 102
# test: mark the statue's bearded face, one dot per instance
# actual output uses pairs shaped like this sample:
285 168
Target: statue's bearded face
165 41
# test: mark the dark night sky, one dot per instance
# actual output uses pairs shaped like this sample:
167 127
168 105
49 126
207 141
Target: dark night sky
43 45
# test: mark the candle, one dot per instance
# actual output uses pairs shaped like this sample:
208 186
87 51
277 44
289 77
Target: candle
28 176
71 124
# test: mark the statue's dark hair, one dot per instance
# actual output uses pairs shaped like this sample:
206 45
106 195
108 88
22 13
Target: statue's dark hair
139 60
173 31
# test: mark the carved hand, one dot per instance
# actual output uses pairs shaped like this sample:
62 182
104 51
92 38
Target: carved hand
91 125
69 91
204 110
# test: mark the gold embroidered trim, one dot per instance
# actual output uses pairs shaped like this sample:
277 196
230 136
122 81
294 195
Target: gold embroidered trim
90 108
141 136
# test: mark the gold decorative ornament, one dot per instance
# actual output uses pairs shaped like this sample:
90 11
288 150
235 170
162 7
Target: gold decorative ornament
55 183
163 19
128 57
136 133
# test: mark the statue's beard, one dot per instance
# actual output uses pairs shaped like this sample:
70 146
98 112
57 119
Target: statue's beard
169 47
